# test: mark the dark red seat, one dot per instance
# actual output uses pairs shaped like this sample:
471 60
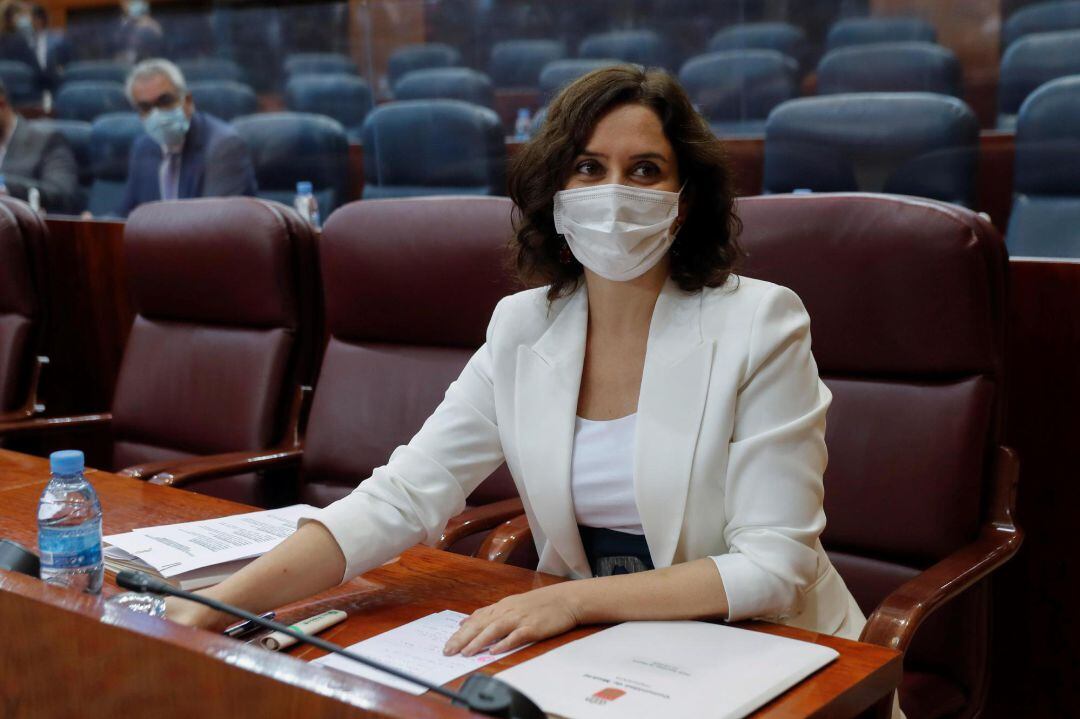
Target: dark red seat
23 304
223 334
409 287
907 305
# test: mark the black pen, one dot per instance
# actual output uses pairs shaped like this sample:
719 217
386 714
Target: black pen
246 627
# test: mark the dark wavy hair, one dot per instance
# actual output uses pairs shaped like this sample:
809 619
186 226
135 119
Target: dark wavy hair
705 251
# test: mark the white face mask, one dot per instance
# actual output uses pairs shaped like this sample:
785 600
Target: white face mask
616 231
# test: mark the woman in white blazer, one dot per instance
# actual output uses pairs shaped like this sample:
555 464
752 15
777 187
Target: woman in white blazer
644 395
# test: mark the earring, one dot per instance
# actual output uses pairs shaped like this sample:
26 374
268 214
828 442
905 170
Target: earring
565 255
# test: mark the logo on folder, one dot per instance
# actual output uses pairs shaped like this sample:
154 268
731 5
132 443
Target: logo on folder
605 696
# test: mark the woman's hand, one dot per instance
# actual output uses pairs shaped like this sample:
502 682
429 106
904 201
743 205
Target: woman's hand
516 621
192 614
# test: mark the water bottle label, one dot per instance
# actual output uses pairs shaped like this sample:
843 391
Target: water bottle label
70 547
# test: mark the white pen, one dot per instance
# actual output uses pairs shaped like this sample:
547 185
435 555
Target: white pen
310 626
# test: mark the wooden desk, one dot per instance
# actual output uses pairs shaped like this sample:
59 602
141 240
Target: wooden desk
420 582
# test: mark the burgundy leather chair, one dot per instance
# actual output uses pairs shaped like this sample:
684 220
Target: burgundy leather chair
223 335
409 286
907 304
23 305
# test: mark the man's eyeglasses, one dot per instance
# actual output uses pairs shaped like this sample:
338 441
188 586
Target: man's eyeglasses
166 101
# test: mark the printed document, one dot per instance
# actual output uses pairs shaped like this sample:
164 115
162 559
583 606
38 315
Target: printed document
644 670
201 553
416 648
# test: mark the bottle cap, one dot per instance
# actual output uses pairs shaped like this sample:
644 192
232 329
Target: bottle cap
303 188
523 112
67 461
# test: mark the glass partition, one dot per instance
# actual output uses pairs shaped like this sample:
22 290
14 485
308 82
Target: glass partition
385 98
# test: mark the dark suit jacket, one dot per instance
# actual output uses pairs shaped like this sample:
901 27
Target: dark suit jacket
13 46
215 162
43 159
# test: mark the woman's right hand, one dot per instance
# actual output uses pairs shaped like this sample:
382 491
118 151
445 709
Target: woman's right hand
193 614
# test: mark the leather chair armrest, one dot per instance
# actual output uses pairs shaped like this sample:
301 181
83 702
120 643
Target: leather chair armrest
179 473
32 406
47 424
894 622
502 541
478 519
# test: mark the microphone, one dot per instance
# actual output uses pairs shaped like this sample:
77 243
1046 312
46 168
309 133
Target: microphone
481 693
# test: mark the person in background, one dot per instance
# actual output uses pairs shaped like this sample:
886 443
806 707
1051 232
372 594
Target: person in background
34 157
138 36
16 27
50 46
184 153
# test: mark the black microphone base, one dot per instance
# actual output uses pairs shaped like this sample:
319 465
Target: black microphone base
484 694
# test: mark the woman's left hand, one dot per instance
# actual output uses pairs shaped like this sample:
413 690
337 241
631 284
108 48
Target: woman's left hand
516 621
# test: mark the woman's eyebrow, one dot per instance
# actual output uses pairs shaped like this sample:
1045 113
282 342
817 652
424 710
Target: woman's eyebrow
641 156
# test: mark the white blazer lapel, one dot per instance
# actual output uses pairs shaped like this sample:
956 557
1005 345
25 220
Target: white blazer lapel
674 385
546 397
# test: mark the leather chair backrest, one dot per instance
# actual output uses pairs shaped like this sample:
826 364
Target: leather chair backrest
446 83
740 85
22 298
88 100
420 57
907 305
77 133
868 30
21 82
644 47
211 69
1031 61
224 99
902 143
95 71
780 36
890 67
346 98
319 63
1040 17
517 63
409 289
225 316
433 147
291 147
560 73
1045 218
111 138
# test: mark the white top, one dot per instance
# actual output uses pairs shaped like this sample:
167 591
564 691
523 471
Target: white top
602 474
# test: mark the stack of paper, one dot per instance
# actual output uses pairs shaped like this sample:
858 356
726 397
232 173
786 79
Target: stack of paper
193 555
644 670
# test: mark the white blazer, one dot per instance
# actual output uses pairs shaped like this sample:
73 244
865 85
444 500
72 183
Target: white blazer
729 454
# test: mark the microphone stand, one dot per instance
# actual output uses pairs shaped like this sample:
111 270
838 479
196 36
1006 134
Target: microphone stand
481 693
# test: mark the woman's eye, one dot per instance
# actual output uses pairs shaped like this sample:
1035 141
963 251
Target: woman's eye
588 167
646 169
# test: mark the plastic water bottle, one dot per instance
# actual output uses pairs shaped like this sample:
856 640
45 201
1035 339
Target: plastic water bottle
69 526
523 124
306 204
3 186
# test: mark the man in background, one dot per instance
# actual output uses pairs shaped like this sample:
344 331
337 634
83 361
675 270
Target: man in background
49 46
137 36
184 153
33 157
